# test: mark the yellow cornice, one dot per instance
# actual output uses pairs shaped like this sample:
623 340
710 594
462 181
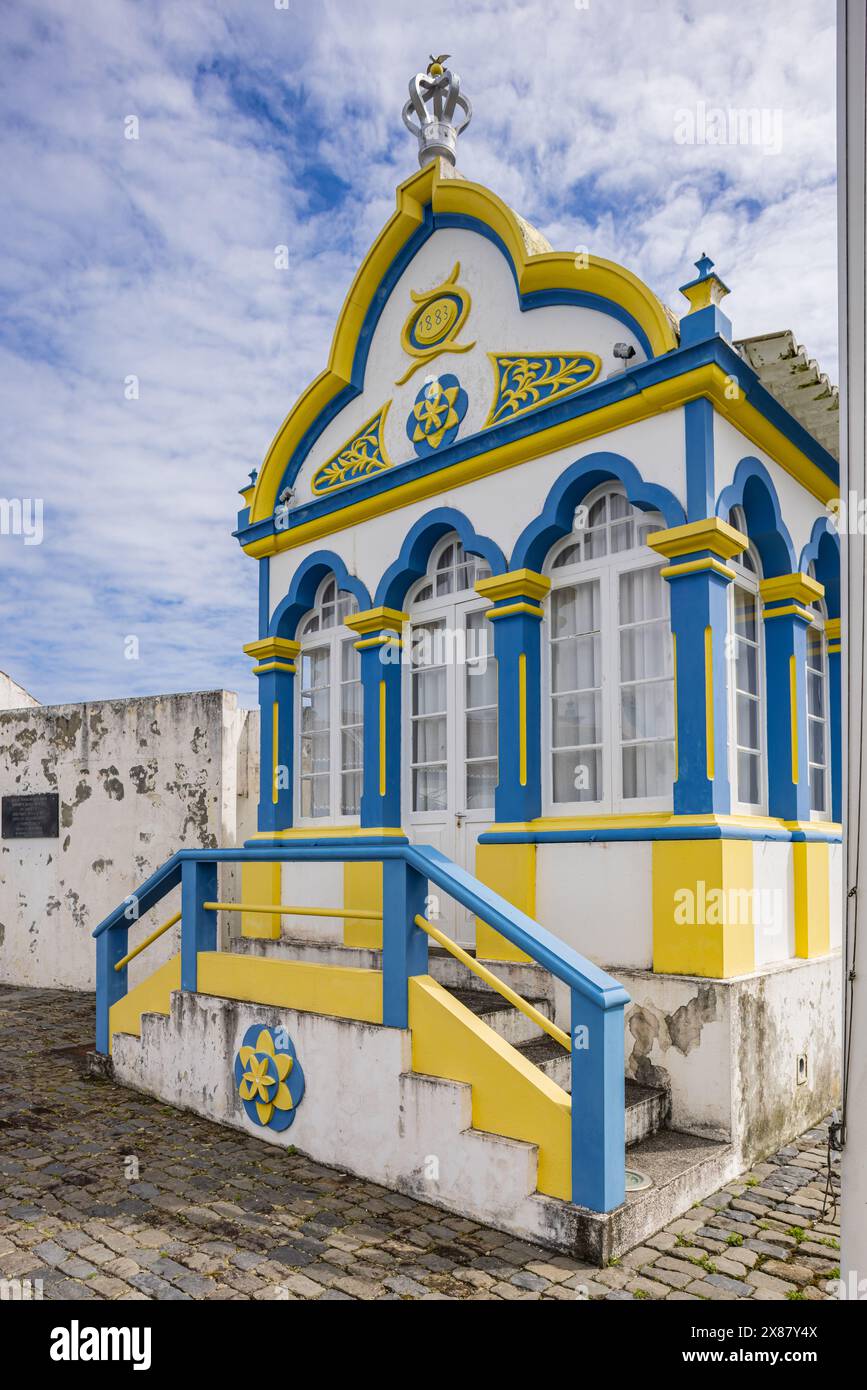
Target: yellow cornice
832 629
516 584
376 620
798 586
273 649
709 382
447 195
712 534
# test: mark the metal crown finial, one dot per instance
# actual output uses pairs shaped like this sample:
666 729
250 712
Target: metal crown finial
439 89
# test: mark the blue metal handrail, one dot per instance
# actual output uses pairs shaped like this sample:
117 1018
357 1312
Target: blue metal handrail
597 1000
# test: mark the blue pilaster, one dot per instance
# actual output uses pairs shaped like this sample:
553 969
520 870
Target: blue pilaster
699 578
516 618
700 477
835 710
380 649
598 1104
276 670
786 620
111 984
198 924
404 945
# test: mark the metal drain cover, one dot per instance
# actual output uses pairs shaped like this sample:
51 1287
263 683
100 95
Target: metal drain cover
637 1182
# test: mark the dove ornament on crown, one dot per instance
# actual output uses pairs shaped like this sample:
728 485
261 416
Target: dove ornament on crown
434 97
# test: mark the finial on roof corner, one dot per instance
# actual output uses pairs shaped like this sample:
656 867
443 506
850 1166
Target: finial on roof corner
707 288
439 89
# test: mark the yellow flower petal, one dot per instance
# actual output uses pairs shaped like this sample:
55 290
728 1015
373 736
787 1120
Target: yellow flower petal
264 1111
284 1064
264 1042
283 1099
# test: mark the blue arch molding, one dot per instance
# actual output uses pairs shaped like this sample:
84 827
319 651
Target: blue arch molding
411 563
611 391
753 489
302 591
573 484
431 223
823 550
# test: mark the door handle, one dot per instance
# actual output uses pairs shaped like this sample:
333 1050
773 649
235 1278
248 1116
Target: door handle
460 817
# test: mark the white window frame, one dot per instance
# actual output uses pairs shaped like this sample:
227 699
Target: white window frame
820 614
749 580
607 571
449 608
332 638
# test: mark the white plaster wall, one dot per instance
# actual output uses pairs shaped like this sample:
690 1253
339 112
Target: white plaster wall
13 695
835 872
312 885
495 324
597 898
137 780
800 509
728 1049
499 507
774 901
363 1109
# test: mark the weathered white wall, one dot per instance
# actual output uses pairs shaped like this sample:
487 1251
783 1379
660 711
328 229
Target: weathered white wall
13 695
137 780
728 1049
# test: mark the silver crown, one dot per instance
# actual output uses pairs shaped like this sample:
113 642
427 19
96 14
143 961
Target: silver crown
440 90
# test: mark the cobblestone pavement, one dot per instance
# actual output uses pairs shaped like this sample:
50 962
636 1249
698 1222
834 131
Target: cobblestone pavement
216 1215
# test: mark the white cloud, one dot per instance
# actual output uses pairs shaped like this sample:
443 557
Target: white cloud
155 257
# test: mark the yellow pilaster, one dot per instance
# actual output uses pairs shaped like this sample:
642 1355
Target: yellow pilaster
703 919
260 883
511 871
362 887
812 884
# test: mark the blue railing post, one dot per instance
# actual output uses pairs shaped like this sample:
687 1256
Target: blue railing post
111 984
598 1104
404 945
198 925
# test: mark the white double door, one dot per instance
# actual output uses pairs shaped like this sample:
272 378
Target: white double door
450 738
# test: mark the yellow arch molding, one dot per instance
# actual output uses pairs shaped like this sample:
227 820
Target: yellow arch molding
430 187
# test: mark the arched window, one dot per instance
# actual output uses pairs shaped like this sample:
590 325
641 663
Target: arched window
817 710
746 678
453 677
609 727
330 719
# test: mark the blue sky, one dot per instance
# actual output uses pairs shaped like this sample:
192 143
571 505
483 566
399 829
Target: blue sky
261 126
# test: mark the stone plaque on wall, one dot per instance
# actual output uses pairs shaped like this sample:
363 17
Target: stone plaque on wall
33 817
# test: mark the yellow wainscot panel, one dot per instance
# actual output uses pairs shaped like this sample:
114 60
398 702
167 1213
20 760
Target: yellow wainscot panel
812 880
362 887
152 996
511 871
291 984
511 1096
703 912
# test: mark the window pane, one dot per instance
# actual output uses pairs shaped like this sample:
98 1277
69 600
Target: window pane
576 720
645 652
351 748
429 692
578 775
429 789
643 595
315 711
315 669
817 789
747 669
749 785
481 783
314 796
648 769
621 537
482 733
815 694
429 744
647 711
315 753
575 663
817 740
350 793
575 610
351 703
748 722
745 614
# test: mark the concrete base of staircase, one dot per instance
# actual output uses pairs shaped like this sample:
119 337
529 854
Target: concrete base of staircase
683 1169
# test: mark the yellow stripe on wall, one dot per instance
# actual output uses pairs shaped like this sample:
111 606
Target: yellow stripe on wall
275 727
708 702
674 672
793 715
382 738
522 718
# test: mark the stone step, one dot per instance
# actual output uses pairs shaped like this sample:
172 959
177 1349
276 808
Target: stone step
647 1107
512 1025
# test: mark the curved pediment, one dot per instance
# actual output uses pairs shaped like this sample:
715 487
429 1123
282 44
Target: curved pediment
457 322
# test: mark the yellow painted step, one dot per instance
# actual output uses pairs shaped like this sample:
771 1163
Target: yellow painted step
152 996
